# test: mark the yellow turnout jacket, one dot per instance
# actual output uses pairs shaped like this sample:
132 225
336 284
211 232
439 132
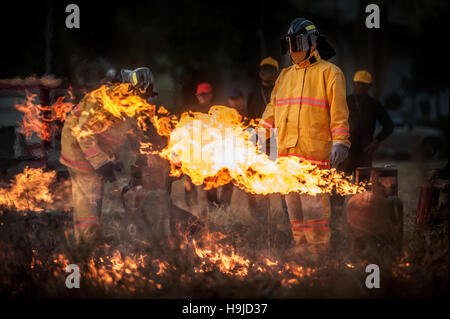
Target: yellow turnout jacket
308 108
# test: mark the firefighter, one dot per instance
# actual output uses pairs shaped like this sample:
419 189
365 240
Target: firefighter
236 100
260 96
364 113
91 160
309 110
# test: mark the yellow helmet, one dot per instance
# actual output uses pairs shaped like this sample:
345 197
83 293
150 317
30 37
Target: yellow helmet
269 61
362 76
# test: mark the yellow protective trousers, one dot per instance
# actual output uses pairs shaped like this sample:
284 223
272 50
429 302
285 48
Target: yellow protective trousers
87 193
310 219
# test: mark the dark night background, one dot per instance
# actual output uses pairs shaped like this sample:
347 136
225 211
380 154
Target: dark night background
223 41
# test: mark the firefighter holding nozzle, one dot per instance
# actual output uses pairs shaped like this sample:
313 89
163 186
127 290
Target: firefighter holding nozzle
91 158
309 110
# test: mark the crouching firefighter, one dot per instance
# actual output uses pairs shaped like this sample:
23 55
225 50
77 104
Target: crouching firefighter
91 158
309 110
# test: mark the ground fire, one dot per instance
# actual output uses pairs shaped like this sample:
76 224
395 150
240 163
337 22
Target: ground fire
116 269
32 190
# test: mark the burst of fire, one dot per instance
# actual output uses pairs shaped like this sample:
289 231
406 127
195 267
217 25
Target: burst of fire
29 191
38 119
215 148
113 103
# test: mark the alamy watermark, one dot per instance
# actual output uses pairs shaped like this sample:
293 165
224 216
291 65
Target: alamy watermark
73 19
373 279
73 280
373 19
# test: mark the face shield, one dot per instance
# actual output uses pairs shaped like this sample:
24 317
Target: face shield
297 42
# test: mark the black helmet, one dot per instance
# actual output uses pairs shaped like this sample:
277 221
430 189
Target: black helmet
302 34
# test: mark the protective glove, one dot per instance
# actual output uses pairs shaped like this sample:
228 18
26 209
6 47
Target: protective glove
339 153
141 78
106 171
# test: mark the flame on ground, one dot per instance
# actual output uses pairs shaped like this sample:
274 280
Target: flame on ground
29 191
137 271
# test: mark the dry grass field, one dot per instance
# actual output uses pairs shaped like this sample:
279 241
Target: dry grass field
236 255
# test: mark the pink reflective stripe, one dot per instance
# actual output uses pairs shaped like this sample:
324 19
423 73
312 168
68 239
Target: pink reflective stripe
266 124
306 227
340 128
296 222
303 100
77 111
89 152
340 133
81 165
324 225
92 154
86 223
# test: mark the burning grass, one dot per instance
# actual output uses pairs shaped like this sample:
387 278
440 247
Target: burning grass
235 256
35 190
230 258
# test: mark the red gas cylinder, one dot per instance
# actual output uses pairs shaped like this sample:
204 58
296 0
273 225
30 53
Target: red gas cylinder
375 218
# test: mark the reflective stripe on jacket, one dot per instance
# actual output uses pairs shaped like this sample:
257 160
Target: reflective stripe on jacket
308 108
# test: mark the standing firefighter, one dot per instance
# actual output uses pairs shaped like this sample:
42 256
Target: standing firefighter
260 96
91 158
364 113
256 104
309 110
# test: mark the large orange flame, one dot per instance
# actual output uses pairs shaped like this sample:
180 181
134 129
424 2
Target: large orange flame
38 119
215 148
114 103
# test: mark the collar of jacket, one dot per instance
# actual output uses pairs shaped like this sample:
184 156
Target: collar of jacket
313 59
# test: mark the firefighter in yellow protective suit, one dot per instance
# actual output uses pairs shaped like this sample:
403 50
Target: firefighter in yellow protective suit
309 111
91 159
